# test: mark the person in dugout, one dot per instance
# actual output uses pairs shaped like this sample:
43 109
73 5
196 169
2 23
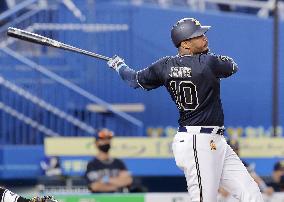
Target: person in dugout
105 174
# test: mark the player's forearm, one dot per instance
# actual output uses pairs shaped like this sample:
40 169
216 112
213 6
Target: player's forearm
8 196
129 75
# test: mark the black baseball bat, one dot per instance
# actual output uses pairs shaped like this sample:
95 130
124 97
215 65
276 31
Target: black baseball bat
36 38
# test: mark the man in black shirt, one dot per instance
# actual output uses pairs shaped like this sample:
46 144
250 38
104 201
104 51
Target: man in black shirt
192 78
278 176
106 174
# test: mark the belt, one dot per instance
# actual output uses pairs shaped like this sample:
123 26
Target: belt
208 130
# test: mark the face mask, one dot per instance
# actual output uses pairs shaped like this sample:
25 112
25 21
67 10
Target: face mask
104 148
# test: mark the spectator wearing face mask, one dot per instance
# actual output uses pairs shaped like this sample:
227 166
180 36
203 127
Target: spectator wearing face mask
105 174
278 177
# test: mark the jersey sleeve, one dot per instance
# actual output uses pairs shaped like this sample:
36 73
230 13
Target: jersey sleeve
129 76
152 77
222 66
120 165
91 173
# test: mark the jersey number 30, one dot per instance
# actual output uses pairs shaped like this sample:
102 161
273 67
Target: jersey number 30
185 94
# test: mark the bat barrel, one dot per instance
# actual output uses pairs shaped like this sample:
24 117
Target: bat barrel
27 36
35 38
32 37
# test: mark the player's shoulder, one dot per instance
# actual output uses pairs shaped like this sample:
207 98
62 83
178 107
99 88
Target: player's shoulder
214 57
208 57
164 59
159 64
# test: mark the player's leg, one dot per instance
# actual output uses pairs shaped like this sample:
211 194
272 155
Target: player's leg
236 179
228 198
201 163
184 157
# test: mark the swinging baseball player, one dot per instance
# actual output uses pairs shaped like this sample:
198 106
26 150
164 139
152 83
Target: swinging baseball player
192 78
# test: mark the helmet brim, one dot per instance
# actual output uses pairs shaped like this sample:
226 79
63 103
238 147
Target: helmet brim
202 30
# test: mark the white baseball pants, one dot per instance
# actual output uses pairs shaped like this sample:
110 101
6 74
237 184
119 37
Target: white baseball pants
209 162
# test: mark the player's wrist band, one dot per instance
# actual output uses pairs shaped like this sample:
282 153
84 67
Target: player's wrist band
120 66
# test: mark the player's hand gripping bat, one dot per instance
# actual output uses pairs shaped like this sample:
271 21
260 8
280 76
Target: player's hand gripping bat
36 38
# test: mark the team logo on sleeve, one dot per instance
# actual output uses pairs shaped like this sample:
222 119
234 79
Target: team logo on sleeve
225 58
213 145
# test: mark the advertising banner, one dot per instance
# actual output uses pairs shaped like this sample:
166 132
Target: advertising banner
154 147
122 147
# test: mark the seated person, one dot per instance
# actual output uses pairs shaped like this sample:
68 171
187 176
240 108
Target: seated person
278 177
104 173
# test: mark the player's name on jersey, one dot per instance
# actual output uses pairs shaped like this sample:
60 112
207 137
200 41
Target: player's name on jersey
180 72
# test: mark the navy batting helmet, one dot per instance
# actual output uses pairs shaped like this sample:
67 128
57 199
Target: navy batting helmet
187 28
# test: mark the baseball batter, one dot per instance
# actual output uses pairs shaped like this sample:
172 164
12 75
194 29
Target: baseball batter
193 80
